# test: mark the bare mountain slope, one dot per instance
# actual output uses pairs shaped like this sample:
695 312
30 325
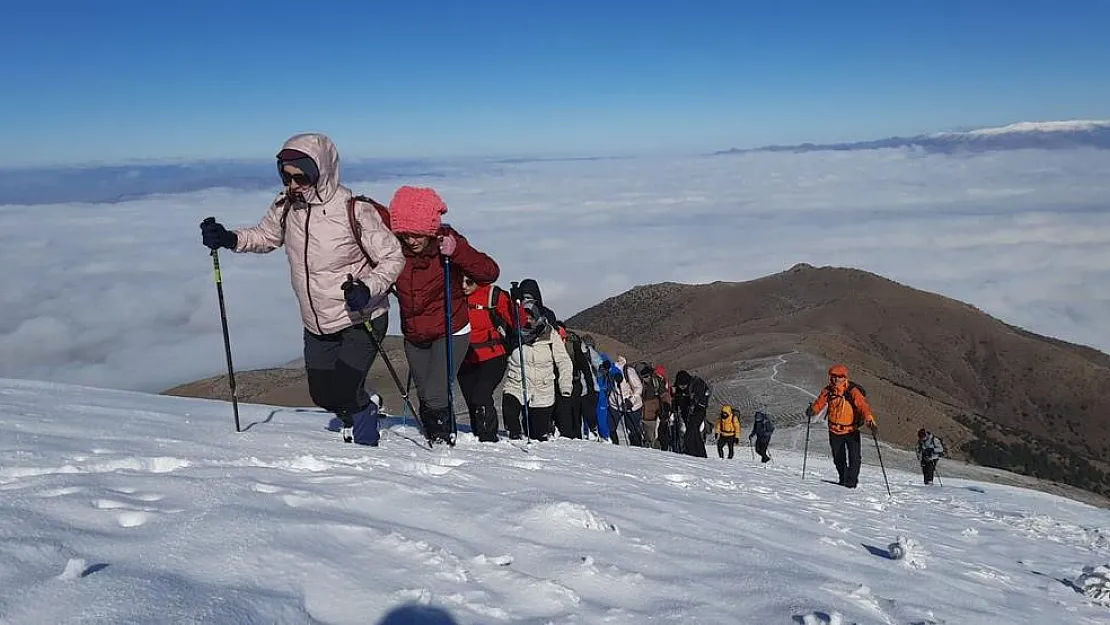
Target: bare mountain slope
1007 397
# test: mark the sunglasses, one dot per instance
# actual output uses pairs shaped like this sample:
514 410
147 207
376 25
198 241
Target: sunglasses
468 282
302 179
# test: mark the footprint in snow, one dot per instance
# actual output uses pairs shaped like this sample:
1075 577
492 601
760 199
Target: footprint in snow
132 518
821 618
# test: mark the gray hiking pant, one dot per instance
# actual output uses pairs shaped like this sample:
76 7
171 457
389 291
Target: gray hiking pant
337 364
429 369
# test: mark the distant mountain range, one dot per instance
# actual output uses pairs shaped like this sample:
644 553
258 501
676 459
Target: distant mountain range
1052 135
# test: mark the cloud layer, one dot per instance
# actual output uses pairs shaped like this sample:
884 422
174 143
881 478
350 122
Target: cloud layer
121 295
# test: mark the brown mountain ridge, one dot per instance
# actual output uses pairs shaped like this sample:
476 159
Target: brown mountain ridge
1000 396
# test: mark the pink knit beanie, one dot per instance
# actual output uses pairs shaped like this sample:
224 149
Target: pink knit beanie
416 210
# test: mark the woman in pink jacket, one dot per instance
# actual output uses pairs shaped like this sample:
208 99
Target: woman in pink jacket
341 281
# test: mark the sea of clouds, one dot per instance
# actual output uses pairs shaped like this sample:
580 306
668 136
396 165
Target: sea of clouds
120 294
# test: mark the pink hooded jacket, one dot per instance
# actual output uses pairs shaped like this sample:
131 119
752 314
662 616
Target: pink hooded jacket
321 246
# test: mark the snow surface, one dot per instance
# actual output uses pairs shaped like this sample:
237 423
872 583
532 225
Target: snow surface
122 507
1073 125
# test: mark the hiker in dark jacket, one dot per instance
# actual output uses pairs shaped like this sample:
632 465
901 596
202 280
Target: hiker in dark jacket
848 410
343 294
691 398
421 292
762 428
930 450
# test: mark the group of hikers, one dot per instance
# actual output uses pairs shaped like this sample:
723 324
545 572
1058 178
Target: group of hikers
347 253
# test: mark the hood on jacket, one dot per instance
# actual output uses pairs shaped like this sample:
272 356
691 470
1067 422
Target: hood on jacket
726 411
529 289
323 152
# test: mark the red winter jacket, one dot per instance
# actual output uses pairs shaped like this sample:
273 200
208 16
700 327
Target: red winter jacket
485 339
420 288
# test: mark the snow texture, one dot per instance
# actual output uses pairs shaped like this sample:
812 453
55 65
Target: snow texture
121 507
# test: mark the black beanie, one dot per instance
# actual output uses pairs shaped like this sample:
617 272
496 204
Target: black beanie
682 378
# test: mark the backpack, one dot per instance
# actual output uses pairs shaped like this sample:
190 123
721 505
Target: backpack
356 227
938 446
858 421
504 328
763 426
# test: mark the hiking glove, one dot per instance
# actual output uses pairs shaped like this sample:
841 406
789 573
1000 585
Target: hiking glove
627 405
447 245
215 236
356 293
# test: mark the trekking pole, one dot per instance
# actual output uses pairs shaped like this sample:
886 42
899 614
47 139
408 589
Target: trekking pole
227 336
887 482
936 474
805 453
520 353
447 337
397 380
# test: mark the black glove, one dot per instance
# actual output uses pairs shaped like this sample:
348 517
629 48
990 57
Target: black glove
215 236
809 411
356 293
627 405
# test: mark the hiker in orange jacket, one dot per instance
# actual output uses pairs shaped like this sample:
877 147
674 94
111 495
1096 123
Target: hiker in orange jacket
847 411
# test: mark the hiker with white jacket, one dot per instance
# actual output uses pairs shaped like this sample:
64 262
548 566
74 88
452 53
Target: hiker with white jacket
626 401
544 354
341 267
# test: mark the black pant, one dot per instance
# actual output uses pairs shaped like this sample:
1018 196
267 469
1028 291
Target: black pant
587 406
478 381
846 456
539 419
568 416
929 470
761 445
694 443
726 440
337 364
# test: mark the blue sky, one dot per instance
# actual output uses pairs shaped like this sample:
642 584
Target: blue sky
139 80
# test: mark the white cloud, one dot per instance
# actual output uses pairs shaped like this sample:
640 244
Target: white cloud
121 295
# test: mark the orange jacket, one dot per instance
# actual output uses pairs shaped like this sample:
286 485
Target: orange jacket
842 417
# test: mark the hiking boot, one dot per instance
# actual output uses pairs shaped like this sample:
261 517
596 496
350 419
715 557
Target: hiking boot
348 434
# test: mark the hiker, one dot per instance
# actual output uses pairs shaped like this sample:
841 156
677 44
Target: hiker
568 413
547 372
586 359
847 411
655 398
727 429
582 384
341 276
691 398
492 337
930 449
626 403
432 249
762 428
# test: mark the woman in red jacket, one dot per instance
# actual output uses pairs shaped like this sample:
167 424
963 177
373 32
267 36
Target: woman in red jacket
492 326
427 245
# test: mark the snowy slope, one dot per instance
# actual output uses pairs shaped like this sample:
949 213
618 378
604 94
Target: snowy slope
121 507
1046 135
